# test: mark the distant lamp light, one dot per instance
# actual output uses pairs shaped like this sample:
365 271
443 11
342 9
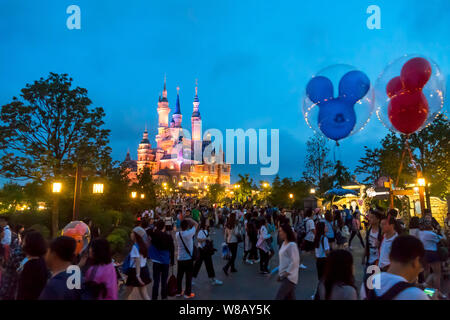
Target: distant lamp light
416 189
142 196
180 184
265 185
291 196
57 186
97 188
312 191
421 182
164 184
134 194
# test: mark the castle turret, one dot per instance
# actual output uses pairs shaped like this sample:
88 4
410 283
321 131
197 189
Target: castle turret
144 151
163 113
177 117
196 119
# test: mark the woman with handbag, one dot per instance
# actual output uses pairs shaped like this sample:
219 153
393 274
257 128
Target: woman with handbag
137 270
231 238
206 251
265 246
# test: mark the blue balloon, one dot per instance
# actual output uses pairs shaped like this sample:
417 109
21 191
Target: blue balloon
337 116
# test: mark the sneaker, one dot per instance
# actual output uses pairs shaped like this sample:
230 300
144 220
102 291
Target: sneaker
302 266
216 282
248 261
256 261
189 296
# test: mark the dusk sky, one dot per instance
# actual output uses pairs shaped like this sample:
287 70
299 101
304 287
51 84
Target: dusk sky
252 60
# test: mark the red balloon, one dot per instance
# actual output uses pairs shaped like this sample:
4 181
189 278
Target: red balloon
415 73
394 86
408 111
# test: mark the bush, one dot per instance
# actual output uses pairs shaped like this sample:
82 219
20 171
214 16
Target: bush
118 239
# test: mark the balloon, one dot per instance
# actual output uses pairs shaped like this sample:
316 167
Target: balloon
408 111
415 73
409 94
79 231
336 117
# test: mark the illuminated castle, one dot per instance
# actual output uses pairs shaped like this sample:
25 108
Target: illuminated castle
172 160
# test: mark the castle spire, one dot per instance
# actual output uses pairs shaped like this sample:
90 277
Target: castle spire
196 111
177 107
164 93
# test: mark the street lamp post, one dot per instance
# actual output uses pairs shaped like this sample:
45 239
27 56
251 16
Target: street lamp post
421 183
56 189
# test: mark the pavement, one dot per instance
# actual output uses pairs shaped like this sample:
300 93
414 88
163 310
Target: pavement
248 284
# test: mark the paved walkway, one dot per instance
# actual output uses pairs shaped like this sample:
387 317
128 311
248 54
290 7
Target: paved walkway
248 284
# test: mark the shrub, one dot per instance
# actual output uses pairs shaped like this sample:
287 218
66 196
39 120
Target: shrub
42 230
118 239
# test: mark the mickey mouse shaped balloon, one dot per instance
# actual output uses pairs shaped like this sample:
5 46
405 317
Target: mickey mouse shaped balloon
336 116
410 93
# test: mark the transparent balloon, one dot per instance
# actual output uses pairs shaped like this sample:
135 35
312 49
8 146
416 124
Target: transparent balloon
79 231
409 94
338 101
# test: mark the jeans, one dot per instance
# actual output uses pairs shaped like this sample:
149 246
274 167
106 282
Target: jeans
264 262
286 290
320 265
233 249
185 267
160 275
207 258
253 255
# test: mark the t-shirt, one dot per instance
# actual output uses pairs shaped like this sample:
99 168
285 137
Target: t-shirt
388 280
135 254
385 250
373 246
330 231
105 273
32 279
57 289
6 240
188 238
323 247
195 214
289 261
202 234
429 239
310 226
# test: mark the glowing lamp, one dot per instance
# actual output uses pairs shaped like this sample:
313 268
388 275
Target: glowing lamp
57 186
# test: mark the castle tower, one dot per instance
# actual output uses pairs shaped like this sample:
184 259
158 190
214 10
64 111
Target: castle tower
196 119
144 152
163 114
177 117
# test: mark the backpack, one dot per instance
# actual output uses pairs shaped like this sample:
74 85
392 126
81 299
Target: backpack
93 290
172 285
395 290
126 265
301 230
209 246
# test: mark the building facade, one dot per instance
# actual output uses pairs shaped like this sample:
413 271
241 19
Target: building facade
177 156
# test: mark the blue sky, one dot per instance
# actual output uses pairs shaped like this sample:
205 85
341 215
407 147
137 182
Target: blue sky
252 59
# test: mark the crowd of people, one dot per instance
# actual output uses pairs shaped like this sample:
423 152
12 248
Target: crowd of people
399 261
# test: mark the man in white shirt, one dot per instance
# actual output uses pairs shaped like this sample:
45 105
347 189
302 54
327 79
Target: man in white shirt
185 243
6 240
389 235
397 283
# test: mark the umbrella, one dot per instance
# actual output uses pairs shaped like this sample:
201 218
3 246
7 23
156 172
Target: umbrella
340 192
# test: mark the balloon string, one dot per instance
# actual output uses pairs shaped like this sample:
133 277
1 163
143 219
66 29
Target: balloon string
406 147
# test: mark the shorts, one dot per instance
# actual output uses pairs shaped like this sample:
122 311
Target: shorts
132 281
431 256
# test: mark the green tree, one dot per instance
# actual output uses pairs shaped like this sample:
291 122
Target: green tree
50 127
148 187
342 175
317 164
216 193
244 191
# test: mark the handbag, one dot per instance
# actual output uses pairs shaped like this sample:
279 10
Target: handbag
172 285
208 249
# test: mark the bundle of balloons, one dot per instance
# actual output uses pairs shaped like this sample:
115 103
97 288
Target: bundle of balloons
407 96
79 231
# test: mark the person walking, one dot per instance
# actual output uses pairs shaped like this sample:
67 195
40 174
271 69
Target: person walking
205 253
33 270
138 275
102 270
289 260
185 244
162 254
231 234
264 245
322 248
356 229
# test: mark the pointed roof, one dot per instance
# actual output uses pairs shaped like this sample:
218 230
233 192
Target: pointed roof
177 107
164 93
196 112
